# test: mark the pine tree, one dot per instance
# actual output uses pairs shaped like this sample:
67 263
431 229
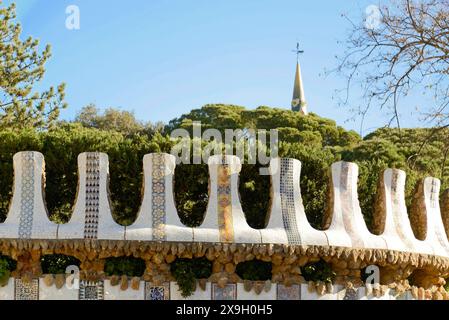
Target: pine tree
21 68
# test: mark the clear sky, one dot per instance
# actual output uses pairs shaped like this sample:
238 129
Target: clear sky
161 59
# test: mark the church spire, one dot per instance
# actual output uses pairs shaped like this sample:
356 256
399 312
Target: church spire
299 101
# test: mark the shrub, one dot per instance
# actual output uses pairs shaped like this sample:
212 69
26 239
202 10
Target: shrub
191 193
187 271
254 270
254 192
128 266
57 263
7 265
318 271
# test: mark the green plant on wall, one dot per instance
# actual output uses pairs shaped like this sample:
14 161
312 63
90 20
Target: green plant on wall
57 263
7 265
187 271
318 271
128 266
254 270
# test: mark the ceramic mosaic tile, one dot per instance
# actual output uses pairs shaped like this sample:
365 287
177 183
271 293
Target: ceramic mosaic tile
158 197
26 291
434 194
27 196
92 195
288 293
161 292
288 202
229 292
351 294
225 222
91 290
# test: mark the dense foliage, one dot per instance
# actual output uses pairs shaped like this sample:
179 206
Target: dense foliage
191 198
318 271
128 266
57 263
254 270
187 271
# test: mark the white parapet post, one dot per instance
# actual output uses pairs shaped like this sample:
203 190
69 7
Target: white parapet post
158 218
27 217
288 223
347 219
436 234
391 214
225 221
92 215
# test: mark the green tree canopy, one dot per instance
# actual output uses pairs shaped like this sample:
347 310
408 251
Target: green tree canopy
21 67
113 119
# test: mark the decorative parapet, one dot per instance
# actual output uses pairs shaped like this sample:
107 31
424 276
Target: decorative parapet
92 215
391 218
400 246
27 218
158 219
224 220
288 223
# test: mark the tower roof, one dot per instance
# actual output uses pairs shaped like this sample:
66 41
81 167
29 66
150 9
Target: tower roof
299 101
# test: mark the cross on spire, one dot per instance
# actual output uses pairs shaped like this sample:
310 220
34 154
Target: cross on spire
297 51
299 101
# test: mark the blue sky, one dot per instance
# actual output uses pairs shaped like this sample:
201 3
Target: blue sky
161 59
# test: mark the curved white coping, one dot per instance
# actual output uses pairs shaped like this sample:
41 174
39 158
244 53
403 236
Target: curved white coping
348 228
92 216
398 232
224 220
158 218
288 222
436 235
224 204
27 217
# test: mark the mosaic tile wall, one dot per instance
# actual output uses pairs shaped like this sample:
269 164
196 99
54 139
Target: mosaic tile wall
92 195
26 290
158 197
27 196
90 290
225 223
288 202
157 292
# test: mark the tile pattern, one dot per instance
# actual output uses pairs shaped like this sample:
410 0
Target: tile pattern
346 198
161 292
229 292
27 196
26 291
351 294
91 290
434 194
158 197
288 293
92 195
225 222
288 202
